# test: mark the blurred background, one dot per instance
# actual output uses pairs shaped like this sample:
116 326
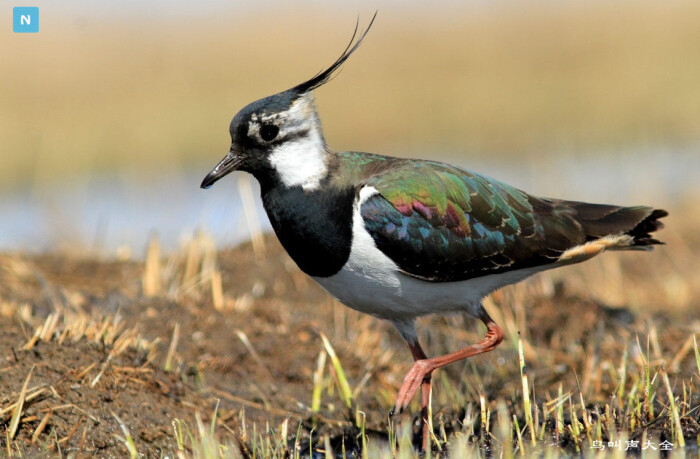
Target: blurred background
113 113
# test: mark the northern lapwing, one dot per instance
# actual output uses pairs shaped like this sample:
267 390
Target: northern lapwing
401 238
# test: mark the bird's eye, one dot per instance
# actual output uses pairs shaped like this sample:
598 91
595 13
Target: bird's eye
268 132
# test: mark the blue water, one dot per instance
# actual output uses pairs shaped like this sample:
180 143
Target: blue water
110 212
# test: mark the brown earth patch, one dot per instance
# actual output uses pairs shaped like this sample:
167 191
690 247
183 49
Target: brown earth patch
105 346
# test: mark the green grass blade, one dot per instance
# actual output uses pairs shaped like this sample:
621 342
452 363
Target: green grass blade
345 390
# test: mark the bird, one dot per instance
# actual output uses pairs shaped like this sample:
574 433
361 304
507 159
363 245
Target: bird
402 238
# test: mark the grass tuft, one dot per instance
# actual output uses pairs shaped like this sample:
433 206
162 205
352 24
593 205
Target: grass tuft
127 439
17 414
527 407
339 374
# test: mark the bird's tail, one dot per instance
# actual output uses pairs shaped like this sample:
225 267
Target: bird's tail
612 228
598 220
642 232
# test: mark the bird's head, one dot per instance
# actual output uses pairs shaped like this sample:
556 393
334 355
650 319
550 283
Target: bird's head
279 138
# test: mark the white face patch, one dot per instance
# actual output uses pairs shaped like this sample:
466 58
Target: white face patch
302 161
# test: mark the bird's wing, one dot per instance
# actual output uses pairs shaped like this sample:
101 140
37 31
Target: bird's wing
441 223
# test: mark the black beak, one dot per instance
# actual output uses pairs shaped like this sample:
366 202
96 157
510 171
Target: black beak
230 163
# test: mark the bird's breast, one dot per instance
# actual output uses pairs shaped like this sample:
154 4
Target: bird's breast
314 227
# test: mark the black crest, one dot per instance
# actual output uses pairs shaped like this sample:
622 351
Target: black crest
322 77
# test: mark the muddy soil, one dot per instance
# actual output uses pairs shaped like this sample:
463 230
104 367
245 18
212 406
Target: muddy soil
256 354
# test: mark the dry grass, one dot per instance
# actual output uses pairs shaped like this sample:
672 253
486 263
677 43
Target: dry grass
595 375
67 325
619 392
98 95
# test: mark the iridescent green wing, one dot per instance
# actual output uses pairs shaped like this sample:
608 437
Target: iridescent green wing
442 223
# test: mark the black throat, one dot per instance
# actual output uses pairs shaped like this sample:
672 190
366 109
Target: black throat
315 227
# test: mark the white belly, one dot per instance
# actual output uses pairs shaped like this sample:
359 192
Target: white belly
372 283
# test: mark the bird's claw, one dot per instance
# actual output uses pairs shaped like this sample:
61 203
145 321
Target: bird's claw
420 371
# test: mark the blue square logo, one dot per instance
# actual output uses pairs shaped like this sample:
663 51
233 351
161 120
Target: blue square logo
25 19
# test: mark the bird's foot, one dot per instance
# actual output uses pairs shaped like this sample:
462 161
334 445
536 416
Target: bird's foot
420 371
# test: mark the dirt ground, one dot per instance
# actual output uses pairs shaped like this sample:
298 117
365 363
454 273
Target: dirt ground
86 352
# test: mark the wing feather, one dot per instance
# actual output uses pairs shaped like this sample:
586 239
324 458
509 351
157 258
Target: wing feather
442 223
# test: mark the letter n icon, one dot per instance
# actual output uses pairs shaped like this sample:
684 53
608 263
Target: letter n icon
25 19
